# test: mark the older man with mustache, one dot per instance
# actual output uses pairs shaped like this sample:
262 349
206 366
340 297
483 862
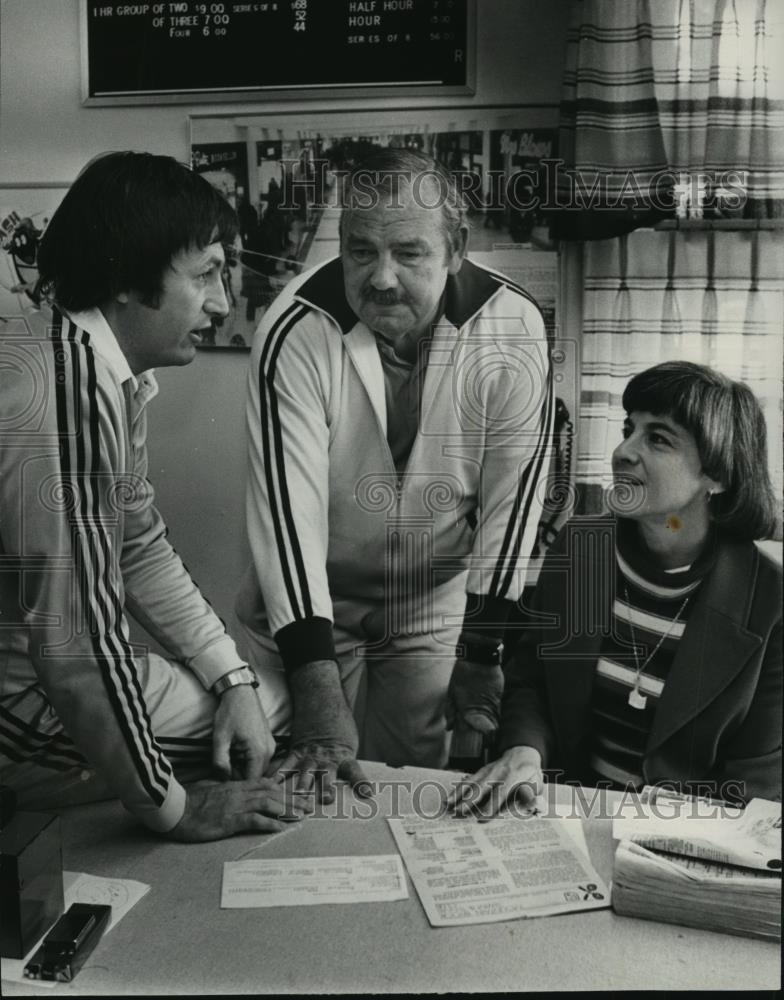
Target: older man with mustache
399 414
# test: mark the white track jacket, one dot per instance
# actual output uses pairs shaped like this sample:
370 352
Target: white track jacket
327 512
80 543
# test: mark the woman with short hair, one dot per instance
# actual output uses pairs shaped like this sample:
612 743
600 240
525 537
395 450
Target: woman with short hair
653 651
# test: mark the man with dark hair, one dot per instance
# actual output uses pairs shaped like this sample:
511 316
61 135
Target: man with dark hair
400 409
131 263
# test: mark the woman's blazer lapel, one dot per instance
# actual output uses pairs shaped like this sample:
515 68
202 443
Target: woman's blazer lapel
716 644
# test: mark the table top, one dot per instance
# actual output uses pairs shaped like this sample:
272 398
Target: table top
177 940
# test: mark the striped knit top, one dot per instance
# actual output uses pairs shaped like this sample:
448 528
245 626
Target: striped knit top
651 609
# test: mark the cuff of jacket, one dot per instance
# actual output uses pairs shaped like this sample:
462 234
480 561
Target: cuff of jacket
486 616
305 641
164 817
522 724
512 736
215 661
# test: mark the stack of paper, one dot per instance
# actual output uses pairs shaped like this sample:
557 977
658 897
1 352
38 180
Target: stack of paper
701 865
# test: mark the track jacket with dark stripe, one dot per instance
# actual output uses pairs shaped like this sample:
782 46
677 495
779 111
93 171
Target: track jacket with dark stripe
81 542
327 512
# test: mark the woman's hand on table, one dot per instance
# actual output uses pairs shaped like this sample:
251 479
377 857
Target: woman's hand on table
515 776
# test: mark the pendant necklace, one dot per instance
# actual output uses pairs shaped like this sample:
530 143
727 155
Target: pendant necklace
636 698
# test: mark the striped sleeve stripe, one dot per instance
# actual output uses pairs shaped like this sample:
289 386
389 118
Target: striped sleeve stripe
185 742
289 550
518 519
37 746
19 755
187 750
31 732
94 557
124 678
507 282
123 681
513 287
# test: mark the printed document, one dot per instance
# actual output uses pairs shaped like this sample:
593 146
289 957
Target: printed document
474 873
749 837
307 881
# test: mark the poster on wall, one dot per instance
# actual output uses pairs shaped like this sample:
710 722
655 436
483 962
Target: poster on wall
225 166
24 215
290 207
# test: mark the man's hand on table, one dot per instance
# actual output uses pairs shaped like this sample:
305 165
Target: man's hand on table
517 774
217 809
324 737
242 742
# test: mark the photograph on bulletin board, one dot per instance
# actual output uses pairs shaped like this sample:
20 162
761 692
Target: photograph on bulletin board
284 173
24 215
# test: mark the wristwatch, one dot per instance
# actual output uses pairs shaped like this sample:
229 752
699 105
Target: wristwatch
234 678
482 652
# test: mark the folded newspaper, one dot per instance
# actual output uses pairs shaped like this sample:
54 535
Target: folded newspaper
691 861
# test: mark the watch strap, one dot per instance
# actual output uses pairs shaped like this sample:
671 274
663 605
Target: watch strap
488 653
235 678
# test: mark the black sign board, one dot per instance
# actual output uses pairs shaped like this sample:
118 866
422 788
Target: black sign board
212 50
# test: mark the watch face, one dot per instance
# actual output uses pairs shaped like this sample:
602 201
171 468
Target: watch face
235 678
483 654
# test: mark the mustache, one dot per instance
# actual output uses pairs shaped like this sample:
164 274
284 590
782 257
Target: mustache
381 296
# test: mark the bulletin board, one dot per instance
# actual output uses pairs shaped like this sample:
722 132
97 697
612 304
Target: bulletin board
219 50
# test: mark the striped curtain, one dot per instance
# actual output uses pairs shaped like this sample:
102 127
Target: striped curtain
673 108
672 104
709 296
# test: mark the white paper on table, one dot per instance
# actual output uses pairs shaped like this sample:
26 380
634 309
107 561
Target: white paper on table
676 824
119 893
572 822
470 873
635 857
307 881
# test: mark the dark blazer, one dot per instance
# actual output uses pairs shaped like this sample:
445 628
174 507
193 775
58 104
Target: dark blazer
720 715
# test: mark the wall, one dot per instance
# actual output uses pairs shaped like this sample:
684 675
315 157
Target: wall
197 422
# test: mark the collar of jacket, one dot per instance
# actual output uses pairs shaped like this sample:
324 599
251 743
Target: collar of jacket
715 647
466 293
101 338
